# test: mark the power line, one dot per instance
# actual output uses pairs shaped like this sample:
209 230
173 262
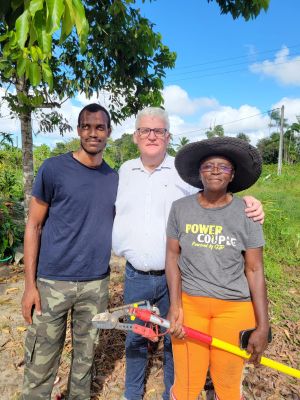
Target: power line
226 123
235 57
222 73
232 65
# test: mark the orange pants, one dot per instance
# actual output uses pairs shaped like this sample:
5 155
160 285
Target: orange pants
223 320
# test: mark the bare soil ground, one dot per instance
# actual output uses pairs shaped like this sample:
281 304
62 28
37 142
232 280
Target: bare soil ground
109 367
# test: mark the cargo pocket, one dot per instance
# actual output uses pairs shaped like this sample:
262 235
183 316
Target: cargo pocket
30 344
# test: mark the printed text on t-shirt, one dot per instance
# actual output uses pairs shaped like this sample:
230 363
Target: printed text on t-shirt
210 236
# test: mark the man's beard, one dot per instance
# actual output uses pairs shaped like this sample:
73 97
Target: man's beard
91 153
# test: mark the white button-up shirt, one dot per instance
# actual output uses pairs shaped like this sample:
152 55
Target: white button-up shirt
143 203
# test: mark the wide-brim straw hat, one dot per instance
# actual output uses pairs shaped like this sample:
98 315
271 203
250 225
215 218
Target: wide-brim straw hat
246 159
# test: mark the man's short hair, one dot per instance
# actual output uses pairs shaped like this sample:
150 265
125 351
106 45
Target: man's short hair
153 112
93 108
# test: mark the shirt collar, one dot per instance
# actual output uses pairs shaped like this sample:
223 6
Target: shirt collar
166 164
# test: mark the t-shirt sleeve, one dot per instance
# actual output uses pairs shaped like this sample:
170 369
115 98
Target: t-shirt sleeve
255 235
172 225
43 187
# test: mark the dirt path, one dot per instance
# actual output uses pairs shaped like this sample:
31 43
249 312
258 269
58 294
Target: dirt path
109 366
12 330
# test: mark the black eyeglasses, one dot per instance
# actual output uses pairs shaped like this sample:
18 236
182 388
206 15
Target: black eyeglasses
209 167
158 132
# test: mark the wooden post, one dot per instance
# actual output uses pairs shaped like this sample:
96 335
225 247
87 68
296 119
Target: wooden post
280 142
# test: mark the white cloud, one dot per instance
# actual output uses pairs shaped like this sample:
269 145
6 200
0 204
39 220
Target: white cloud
233 121
127 126
190 117
8 124
291 108
177 101
285 69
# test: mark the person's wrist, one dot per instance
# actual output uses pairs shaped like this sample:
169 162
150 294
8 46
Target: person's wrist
30 284
175 306
263 328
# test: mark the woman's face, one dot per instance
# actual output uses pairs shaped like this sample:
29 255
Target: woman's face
216 173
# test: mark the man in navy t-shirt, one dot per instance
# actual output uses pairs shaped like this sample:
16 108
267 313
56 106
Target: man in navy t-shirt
67 249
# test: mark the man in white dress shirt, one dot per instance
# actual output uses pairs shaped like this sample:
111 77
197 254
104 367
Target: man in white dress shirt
147 187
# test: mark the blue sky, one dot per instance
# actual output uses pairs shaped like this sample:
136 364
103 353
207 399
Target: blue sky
228 72
200 35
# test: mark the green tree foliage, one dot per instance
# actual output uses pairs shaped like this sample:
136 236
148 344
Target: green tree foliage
243 136
182 142
275 120
10 191
65 146
10 169
291 143
268 148
218 130
10 233
122 56
6 140
171 151
245 8
40 153
120 150
27 31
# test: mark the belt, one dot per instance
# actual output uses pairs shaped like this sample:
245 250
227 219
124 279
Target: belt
153 272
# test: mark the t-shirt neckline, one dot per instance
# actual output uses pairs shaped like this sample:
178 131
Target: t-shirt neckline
86 166
214 208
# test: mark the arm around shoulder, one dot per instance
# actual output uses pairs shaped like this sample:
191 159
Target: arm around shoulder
254 209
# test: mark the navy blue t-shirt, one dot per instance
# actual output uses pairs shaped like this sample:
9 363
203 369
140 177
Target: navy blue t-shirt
76 236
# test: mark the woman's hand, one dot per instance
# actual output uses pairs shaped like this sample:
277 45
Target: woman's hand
175 316
257 344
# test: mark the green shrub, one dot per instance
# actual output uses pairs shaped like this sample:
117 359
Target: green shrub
280 198
10 232
11 176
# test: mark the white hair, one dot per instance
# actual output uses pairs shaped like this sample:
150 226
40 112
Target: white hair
153 112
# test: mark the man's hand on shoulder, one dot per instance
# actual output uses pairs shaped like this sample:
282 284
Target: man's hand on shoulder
254 209
31 298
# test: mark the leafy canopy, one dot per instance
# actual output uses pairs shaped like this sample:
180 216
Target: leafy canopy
218 130
245 8
124 58
27 32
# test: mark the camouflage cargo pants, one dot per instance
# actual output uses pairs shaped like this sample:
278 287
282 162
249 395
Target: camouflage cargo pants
45 337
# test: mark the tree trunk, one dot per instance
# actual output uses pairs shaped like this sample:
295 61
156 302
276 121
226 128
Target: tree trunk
285 153
26 131
27 153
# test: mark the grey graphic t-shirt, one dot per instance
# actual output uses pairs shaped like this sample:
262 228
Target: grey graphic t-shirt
212 242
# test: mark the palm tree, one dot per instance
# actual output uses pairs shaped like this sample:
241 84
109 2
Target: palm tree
6 140
217 130
243 136
292 143
182 142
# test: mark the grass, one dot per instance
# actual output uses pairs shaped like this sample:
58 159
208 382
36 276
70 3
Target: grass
280 198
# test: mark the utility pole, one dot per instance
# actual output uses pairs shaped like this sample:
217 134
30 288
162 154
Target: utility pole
280 142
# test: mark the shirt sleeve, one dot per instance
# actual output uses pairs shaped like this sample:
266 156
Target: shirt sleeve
255 235
43 187
172 225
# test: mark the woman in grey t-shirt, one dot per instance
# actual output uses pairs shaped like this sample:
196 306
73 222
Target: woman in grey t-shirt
214 267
